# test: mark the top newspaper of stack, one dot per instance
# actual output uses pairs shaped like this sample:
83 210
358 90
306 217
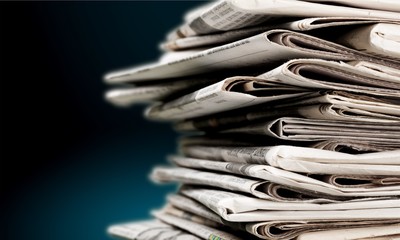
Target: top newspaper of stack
227 15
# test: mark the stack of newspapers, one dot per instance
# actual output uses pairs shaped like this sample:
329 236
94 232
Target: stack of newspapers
290 118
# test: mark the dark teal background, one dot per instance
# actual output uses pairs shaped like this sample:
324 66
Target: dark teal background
71 163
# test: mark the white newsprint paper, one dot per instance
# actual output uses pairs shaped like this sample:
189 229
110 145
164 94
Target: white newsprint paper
200 230
389 5
258 188
231 93
226 15
189 205
124 96
357 77
305 129
290 186
260 50
236 207
276 230
306 24
187 215
331 105
385 232
148 230
302 74
381 39
304 160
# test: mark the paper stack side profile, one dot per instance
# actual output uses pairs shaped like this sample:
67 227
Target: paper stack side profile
290 118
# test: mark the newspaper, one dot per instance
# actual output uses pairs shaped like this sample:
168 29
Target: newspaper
291 186
275 85
231 93
290 230
304 129
389 5
322 74
303 159
382 39
306 24
331 105
334 112
235 207
260 50
242 140
177 212
200 230
125 96
189 205
212 39
226 15
148 230
258 188
386 232
274 229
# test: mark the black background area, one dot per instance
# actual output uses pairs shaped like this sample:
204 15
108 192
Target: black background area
72 164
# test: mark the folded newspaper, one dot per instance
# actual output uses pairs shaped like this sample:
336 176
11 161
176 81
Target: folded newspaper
303 159
306 24
302 74
287 185
329 105
266 48
236 207
303 129
272 229
124 96
240 140
226 15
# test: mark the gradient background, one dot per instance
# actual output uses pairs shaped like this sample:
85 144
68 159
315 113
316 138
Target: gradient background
71 163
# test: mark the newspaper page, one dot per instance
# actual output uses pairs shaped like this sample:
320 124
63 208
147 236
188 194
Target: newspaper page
177 212
202 231
331 105
293 186
226 15
291 230
231 93
242 140
374 68
302 73
128 95
148 230
387 232
240 208
321 74
382 39
306 24
215 123
225 181
279 229
303 159
189 205
388 5
304 129
259 50
212 39
258 188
